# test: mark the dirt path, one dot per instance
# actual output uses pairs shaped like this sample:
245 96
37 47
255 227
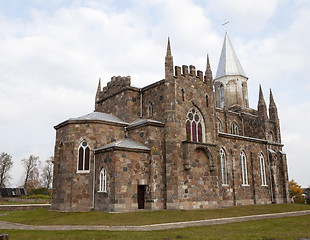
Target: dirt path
151 227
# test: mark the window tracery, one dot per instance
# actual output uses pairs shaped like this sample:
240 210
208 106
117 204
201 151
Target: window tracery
194 126
83 157
103 180
234 128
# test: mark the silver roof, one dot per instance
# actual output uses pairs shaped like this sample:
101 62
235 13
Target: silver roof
125 143
100 116
142 121
229 63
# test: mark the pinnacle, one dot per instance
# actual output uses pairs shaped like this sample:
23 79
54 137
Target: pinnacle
208 68
261 95
272 102
168 48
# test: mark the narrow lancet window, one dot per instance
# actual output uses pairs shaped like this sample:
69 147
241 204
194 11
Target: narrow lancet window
103 180
262 170
244 172
219 125
150 110
243 95
222 101
223 167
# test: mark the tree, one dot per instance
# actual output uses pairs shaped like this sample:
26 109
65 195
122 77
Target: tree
47 173
295 189
31 165
6 164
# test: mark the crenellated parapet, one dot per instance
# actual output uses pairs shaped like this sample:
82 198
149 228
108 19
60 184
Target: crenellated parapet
116 84
186 71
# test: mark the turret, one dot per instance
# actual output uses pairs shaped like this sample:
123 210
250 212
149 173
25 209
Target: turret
97 95
168 62
230 82
208 74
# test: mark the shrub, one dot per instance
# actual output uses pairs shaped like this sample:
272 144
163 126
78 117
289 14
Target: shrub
40 191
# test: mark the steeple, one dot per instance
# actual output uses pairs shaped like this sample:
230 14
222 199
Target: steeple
230 82
97 94
168 62
208 73
229 63
261 107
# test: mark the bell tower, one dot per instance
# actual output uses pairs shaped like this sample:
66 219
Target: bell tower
230 82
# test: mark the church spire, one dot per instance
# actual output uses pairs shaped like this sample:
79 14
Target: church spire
230 80
168 62
229 63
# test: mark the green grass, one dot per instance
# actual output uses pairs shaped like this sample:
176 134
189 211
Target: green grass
280 228
43 216
20 203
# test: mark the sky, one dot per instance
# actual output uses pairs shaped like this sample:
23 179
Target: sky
52 54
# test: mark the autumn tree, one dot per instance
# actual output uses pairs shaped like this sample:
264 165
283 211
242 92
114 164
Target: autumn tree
31 167
6 164
295 189
47 173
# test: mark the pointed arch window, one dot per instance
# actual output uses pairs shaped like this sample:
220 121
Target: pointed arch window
244 171
150 110
243 95
262 169
195 127
83 157
222 101
223 167
103 180
234 128
219 125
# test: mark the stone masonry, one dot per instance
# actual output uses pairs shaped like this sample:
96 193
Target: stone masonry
185 142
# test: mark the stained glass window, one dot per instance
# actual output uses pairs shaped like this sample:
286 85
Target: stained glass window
194 126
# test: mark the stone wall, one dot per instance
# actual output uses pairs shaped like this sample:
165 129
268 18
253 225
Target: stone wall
126 170
154 95
153 137
69 191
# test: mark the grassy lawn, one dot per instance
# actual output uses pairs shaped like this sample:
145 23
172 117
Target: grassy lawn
280 228
45 217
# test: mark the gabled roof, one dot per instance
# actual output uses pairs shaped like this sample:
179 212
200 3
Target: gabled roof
125 143
229 63
94 116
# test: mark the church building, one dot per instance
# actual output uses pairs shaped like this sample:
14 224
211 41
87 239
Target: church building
185 142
